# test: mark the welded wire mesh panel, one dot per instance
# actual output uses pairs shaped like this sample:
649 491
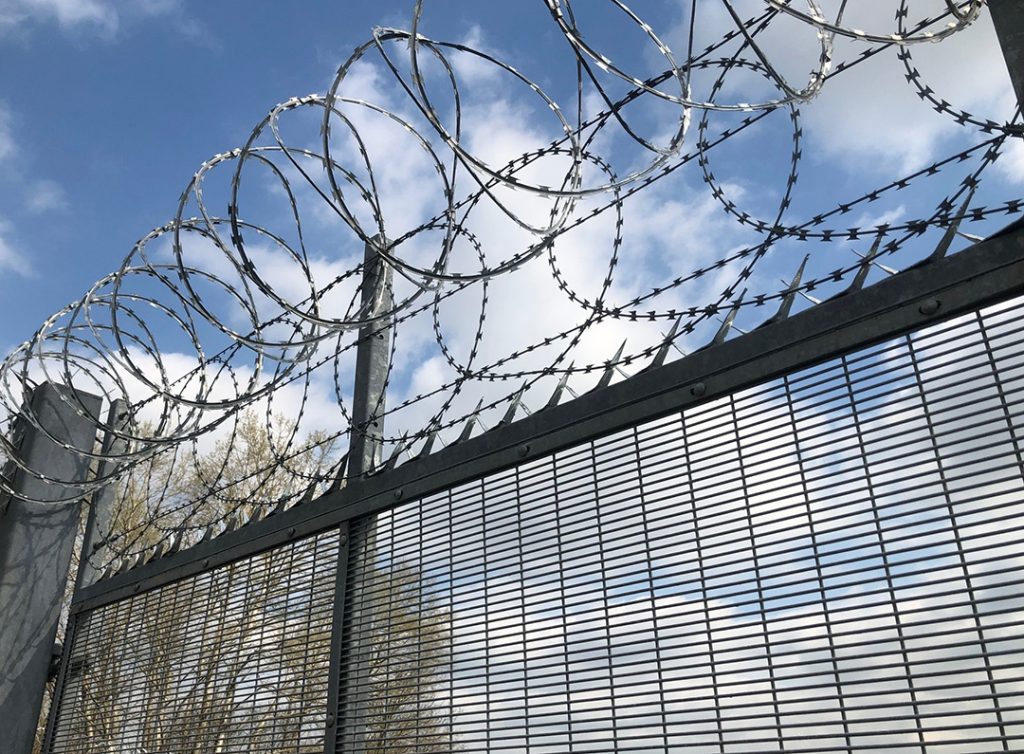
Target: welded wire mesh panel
828 562
232 660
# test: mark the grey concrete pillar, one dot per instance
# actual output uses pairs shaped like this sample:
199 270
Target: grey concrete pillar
99 524
1008 18
36 542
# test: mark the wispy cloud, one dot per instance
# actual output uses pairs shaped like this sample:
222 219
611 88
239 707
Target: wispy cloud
12 260
98 18
45 196
6 137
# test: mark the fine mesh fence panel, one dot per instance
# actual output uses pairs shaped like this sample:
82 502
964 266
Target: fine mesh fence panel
232 660
828 562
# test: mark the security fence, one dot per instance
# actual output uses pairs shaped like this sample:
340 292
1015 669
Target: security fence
807 538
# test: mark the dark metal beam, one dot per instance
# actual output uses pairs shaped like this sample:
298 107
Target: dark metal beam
990 271
1008 18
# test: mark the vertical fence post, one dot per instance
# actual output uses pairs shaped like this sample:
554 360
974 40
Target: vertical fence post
98 526
372 355
36 542
1008 18
348 708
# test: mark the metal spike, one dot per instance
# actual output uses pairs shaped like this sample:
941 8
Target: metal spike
723 331
428 445
107 573
790 296
609 370
282 504
559 389
155 553
257 513
307 496
669 343
175 544
513 406
805 295
951 231
209 533
231 523
337 484
400 448
867 260
471 422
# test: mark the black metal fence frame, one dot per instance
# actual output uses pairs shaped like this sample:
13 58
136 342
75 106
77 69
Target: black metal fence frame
934 290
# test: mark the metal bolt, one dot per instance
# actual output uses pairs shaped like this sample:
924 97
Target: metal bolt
929 307
206 563
136 588
699 389
330 721
397 494
523 450
343 539
291 532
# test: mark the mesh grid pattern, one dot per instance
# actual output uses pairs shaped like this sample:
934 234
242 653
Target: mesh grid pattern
828 562
233 660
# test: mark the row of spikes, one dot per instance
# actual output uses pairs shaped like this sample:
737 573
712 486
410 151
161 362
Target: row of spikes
517 405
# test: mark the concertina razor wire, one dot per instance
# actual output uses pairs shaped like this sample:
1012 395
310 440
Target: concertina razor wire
268 327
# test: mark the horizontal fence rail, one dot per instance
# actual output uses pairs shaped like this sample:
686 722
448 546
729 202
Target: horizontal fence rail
804 539
989 271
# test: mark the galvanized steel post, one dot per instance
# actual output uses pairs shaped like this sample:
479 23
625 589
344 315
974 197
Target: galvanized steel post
372 356
348 709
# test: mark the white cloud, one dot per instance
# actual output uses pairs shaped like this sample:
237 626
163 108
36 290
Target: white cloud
871 116
10 258
45 195
1010 164
6 137
94 14
103 18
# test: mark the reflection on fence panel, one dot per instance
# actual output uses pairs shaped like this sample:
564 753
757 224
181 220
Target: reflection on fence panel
831 561
232 660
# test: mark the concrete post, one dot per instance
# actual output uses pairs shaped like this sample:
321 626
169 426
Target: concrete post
36 542
1008 18
101 508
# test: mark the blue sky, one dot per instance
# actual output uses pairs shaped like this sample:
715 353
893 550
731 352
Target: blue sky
108 107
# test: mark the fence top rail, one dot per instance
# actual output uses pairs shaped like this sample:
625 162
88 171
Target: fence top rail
937 289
